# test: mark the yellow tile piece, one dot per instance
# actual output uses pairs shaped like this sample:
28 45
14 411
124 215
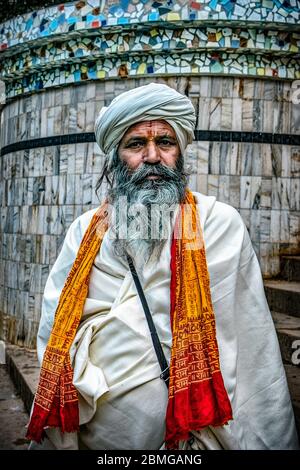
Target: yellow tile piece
153 32
218 36
173 16
100 74
141 69
260 71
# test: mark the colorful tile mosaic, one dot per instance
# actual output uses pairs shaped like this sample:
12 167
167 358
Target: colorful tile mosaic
153 40
95 14
93 39
157 65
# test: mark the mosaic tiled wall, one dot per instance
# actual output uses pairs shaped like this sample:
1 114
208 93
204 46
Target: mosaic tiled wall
42 190
98 39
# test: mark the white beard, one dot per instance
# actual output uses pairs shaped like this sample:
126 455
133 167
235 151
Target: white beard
145 234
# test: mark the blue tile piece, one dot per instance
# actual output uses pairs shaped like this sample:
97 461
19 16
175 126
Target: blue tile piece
92 73
228 7
28 24
61 19
72 19
53 25
154 16
125 3
123 20
150 69
40 85
90 18
116 10
213 4
153 41
77 75
79 52
285 5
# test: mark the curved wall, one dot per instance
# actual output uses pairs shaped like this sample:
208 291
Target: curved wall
246 150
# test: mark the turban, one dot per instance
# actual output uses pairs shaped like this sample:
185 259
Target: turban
146 103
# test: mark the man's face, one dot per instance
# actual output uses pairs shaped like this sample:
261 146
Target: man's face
149 173
151 142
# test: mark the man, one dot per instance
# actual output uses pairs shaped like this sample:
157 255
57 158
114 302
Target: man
203 285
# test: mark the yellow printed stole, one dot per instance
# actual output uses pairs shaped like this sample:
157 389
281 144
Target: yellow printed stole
197 396
56 400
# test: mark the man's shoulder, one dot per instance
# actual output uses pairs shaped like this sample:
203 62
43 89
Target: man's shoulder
81 223
211 208
222 223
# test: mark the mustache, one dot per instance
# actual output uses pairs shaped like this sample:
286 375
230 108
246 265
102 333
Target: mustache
147 169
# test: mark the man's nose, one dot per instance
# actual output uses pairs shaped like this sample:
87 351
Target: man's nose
152 153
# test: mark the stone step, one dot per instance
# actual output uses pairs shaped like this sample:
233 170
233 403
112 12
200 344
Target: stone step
290 267
293 379
288 332
283 296
24 370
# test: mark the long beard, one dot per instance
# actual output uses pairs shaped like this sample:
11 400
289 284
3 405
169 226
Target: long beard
143 208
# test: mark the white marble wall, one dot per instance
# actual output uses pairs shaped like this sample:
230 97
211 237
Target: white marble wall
42 190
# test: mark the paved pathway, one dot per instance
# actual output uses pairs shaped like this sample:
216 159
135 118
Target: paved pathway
13 417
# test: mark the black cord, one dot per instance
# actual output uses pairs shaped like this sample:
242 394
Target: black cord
165 374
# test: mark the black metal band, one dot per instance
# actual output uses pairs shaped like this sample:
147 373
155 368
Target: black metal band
211 136
155 339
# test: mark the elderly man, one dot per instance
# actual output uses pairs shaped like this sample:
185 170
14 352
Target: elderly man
154 245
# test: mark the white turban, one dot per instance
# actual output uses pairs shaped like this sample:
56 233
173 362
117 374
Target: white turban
146 103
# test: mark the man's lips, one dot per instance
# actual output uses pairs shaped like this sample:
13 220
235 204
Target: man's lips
153 177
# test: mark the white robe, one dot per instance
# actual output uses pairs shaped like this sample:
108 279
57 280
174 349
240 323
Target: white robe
122 399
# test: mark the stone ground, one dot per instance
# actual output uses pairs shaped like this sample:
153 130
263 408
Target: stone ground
13 416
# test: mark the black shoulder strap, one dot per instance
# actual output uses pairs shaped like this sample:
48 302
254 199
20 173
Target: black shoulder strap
155 339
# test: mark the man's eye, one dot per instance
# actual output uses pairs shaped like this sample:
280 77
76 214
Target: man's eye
166 142
134 145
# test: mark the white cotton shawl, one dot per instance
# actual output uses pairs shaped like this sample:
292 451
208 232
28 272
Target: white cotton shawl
146 103
122 399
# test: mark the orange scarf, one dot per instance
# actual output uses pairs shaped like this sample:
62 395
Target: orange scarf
197 396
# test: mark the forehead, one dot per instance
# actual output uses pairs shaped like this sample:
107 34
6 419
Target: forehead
148 128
